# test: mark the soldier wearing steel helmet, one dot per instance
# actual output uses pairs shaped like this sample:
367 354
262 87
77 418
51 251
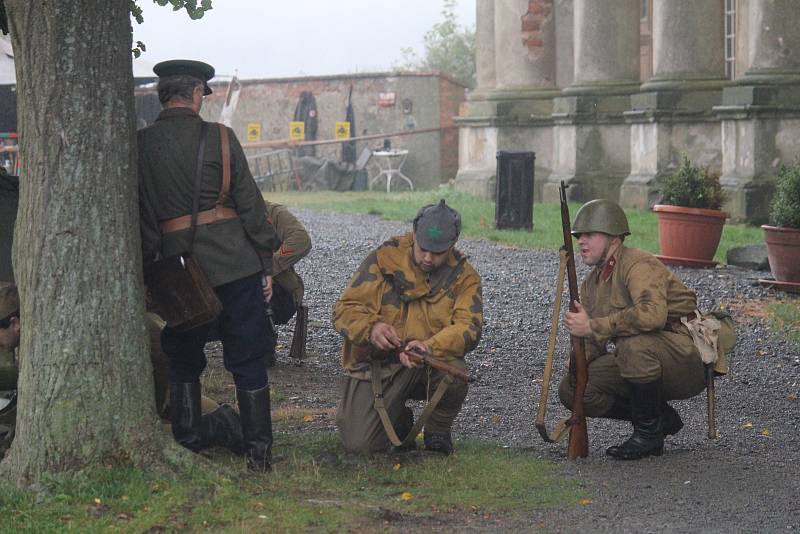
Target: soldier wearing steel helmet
640 355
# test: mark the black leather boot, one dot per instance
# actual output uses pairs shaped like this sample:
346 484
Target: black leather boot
621 409
647 438
440 442
186 415
222 428
671 420
254 412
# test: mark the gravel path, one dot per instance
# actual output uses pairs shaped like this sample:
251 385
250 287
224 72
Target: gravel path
745 481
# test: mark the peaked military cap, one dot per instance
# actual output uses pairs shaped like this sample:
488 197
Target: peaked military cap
436 227
186 67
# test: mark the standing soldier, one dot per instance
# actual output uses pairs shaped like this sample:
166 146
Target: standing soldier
416 292
640 354
233 245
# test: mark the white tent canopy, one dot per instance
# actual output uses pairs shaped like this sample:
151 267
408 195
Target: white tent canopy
141 68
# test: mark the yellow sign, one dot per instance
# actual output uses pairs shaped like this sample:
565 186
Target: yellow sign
297 130
254 131
342 130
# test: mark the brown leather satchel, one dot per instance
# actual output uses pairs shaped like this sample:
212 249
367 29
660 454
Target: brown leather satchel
181 291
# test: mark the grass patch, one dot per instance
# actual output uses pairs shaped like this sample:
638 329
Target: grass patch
785 316
478 217
300 495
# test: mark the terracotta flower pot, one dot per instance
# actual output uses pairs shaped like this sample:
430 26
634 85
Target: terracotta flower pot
689 236
783 251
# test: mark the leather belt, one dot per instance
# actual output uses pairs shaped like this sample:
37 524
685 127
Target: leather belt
203 217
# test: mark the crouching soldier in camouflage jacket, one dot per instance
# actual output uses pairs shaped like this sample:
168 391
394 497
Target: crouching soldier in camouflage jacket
414 293
639 353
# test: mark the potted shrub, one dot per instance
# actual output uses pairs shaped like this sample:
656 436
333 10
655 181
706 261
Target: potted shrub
690 220
782 235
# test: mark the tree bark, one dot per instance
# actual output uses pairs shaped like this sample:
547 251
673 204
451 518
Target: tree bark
85 384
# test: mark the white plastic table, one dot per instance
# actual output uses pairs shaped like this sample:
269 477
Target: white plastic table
390 163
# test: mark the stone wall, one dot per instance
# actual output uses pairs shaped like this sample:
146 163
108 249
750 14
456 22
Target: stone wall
421 101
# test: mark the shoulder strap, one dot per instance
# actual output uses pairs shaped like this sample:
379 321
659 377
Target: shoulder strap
201 150
225 145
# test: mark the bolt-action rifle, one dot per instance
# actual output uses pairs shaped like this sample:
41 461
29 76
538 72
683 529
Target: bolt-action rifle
417 355
578 446
578 433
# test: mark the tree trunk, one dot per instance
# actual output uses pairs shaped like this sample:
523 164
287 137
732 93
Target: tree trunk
85 384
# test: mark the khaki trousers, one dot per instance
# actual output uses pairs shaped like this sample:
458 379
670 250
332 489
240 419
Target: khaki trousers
360 427
670 356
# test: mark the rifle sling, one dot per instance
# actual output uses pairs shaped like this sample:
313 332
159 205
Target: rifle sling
561 428
380 407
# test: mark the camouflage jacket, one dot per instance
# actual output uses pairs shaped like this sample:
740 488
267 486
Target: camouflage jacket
443 309
640 295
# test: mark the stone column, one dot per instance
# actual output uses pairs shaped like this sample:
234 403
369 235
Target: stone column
688 77
773 42
484 47
524 64
606 45
516 113
760 114
591 139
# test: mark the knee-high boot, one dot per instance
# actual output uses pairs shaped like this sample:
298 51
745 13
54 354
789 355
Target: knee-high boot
254 411
185 414
648 437
222 428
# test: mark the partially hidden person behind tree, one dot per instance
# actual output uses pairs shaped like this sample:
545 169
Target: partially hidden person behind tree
640 355
414 293
287 286
233 244
219 422
9 368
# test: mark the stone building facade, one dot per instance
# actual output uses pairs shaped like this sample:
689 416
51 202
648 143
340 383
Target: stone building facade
610 94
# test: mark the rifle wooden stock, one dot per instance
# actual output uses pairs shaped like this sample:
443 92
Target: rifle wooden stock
578 446
417 356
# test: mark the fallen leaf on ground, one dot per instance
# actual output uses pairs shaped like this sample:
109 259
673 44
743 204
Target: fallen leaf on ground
406 495
585 502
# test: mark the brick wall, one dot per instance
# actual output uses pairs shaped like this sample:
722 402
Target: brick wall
539 11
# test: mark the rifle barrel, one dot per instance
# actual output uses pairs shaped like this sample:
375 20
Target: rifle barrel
578 446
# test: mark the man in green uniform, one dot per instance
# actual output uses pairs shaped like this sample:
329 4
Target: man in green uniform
233 244
9 341
415 292
287 286
639 353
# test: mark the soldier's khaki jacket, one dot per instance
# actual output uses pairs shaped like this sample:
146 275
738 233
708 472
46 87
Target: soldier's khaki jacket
294 245
639 296
226 250
443 310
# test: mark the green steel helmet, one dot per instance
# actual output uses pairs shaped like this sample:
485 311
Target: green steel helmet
601 215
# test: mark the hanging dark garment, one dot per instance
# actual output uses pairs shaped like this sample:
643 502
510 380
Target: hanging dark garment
349 148
306 112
